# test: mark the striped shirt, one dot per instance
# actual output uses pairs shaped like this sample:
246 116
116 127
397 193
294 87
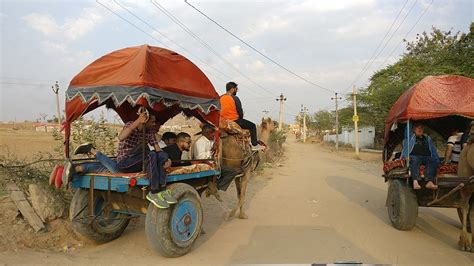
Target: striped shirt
455 142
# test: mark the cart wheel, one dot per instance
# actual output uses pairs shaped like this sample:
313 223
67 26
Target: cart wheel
402 205
172 231
99 228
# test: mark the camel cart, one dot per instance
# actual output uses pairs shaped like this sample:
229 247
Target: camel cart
166 84
441 103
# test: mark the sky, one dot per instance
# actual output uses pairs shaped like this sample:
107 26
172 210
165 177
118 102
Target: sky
327 42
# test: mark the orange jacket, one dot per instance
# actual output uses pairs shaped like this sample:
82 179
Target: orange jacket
231 108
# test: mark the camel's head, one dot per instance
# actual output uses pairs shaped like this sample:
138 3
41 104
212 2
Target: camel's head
268 124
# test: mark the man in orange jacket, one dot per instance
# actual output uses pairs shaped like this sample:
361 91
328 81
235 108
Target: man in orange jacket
231 109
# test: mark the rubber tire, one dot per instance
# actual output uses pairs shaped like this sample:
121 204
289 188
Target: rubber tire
79 209
402 205
158 227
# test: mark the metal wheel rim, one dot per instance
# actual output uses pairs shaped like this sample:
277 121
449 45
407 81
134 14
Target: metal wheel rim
184 222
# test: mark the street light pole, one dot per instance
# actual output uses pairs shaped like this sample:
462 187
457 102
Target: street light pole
280 99
356 121
55 89
337 119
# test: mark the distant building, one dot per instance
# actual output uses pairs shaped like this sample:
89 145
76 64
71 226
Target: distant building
45 127
366 137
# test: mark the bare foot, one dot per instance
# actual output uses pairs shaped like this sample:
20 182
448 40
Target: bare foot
416 186
431 185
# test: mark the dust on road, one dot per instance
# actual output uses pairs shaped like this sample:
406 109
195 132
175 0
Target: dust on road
319 207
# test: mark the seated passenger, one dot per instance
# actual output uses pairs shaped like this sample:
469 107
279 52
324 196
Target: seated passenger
231 109
175 150
204 148
453 148
130 157
168 138
468 135
421 151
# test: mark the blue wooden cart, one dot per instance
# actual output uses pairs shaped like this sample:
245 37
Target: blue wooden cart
103 205
166 84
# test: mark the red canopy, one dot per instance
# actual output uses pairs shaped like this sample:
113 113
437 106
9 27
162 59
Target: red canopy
433 97
161 80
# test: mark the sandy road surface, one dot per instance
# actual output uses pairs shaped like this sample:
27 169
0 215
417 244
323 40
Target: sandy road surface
318 207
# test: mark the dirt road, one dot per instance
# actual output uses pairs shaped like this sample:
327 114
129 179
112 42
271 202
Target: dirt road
318 207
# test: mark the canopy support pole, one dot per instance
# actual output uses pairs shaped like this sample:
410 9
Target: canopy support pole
408 145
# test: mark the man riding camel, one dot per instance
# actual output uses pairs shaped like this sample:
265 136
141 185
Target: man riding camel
231 109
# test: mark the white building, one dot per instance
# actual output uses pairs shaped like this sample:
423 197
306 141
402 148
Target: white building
366 137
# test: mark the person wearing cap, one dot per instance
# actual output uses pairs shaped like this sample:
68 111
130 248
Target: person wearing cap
203 149
231 109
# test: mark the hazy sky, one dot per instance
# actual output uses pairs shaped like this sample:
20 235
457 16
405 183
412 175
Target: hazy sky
325 41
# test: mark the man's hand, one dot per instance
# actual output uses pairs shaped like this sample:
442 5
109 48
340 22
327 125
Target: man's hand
167 164
142 118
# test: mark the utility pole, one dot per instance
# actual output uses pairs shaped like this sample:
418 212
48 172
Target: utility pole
55 89
280 99
355 118
304 110
337 119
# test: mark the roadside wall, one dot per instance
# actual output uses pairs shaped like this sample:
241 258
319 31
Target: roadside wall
366 137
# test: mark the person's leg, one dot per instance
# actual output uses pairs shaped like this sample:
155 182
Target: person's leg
153 173
243 123
415 163
131 165
431 172
93 167
227 176
110 164
161 158
158 194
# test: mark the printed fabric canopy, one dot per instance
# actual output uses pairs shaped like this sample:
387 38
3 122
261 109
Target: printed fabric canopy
441 102
163 81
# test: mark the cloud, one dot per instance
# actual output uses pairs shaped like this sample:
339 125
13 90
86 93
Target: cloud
72 28
329 5
45 24
266 24
65 55
237 51
53 48
256 65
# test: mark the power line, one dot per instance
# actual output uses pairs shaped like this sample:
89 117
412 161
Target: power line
366 66
204 43
257 51
406 35
159 41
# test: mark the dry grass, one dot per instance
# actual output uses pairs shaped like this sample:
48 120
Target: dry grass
25 143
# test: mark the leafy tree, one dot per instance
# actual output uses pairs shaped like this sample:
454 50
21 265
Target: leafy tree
436 53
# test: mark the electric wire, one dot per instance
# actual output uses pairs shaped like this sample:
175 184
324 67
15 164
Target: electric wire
258 51
372 57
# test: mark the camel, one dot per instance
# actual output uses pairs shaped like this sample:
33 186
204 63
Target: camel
237 153
266 128
466 169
